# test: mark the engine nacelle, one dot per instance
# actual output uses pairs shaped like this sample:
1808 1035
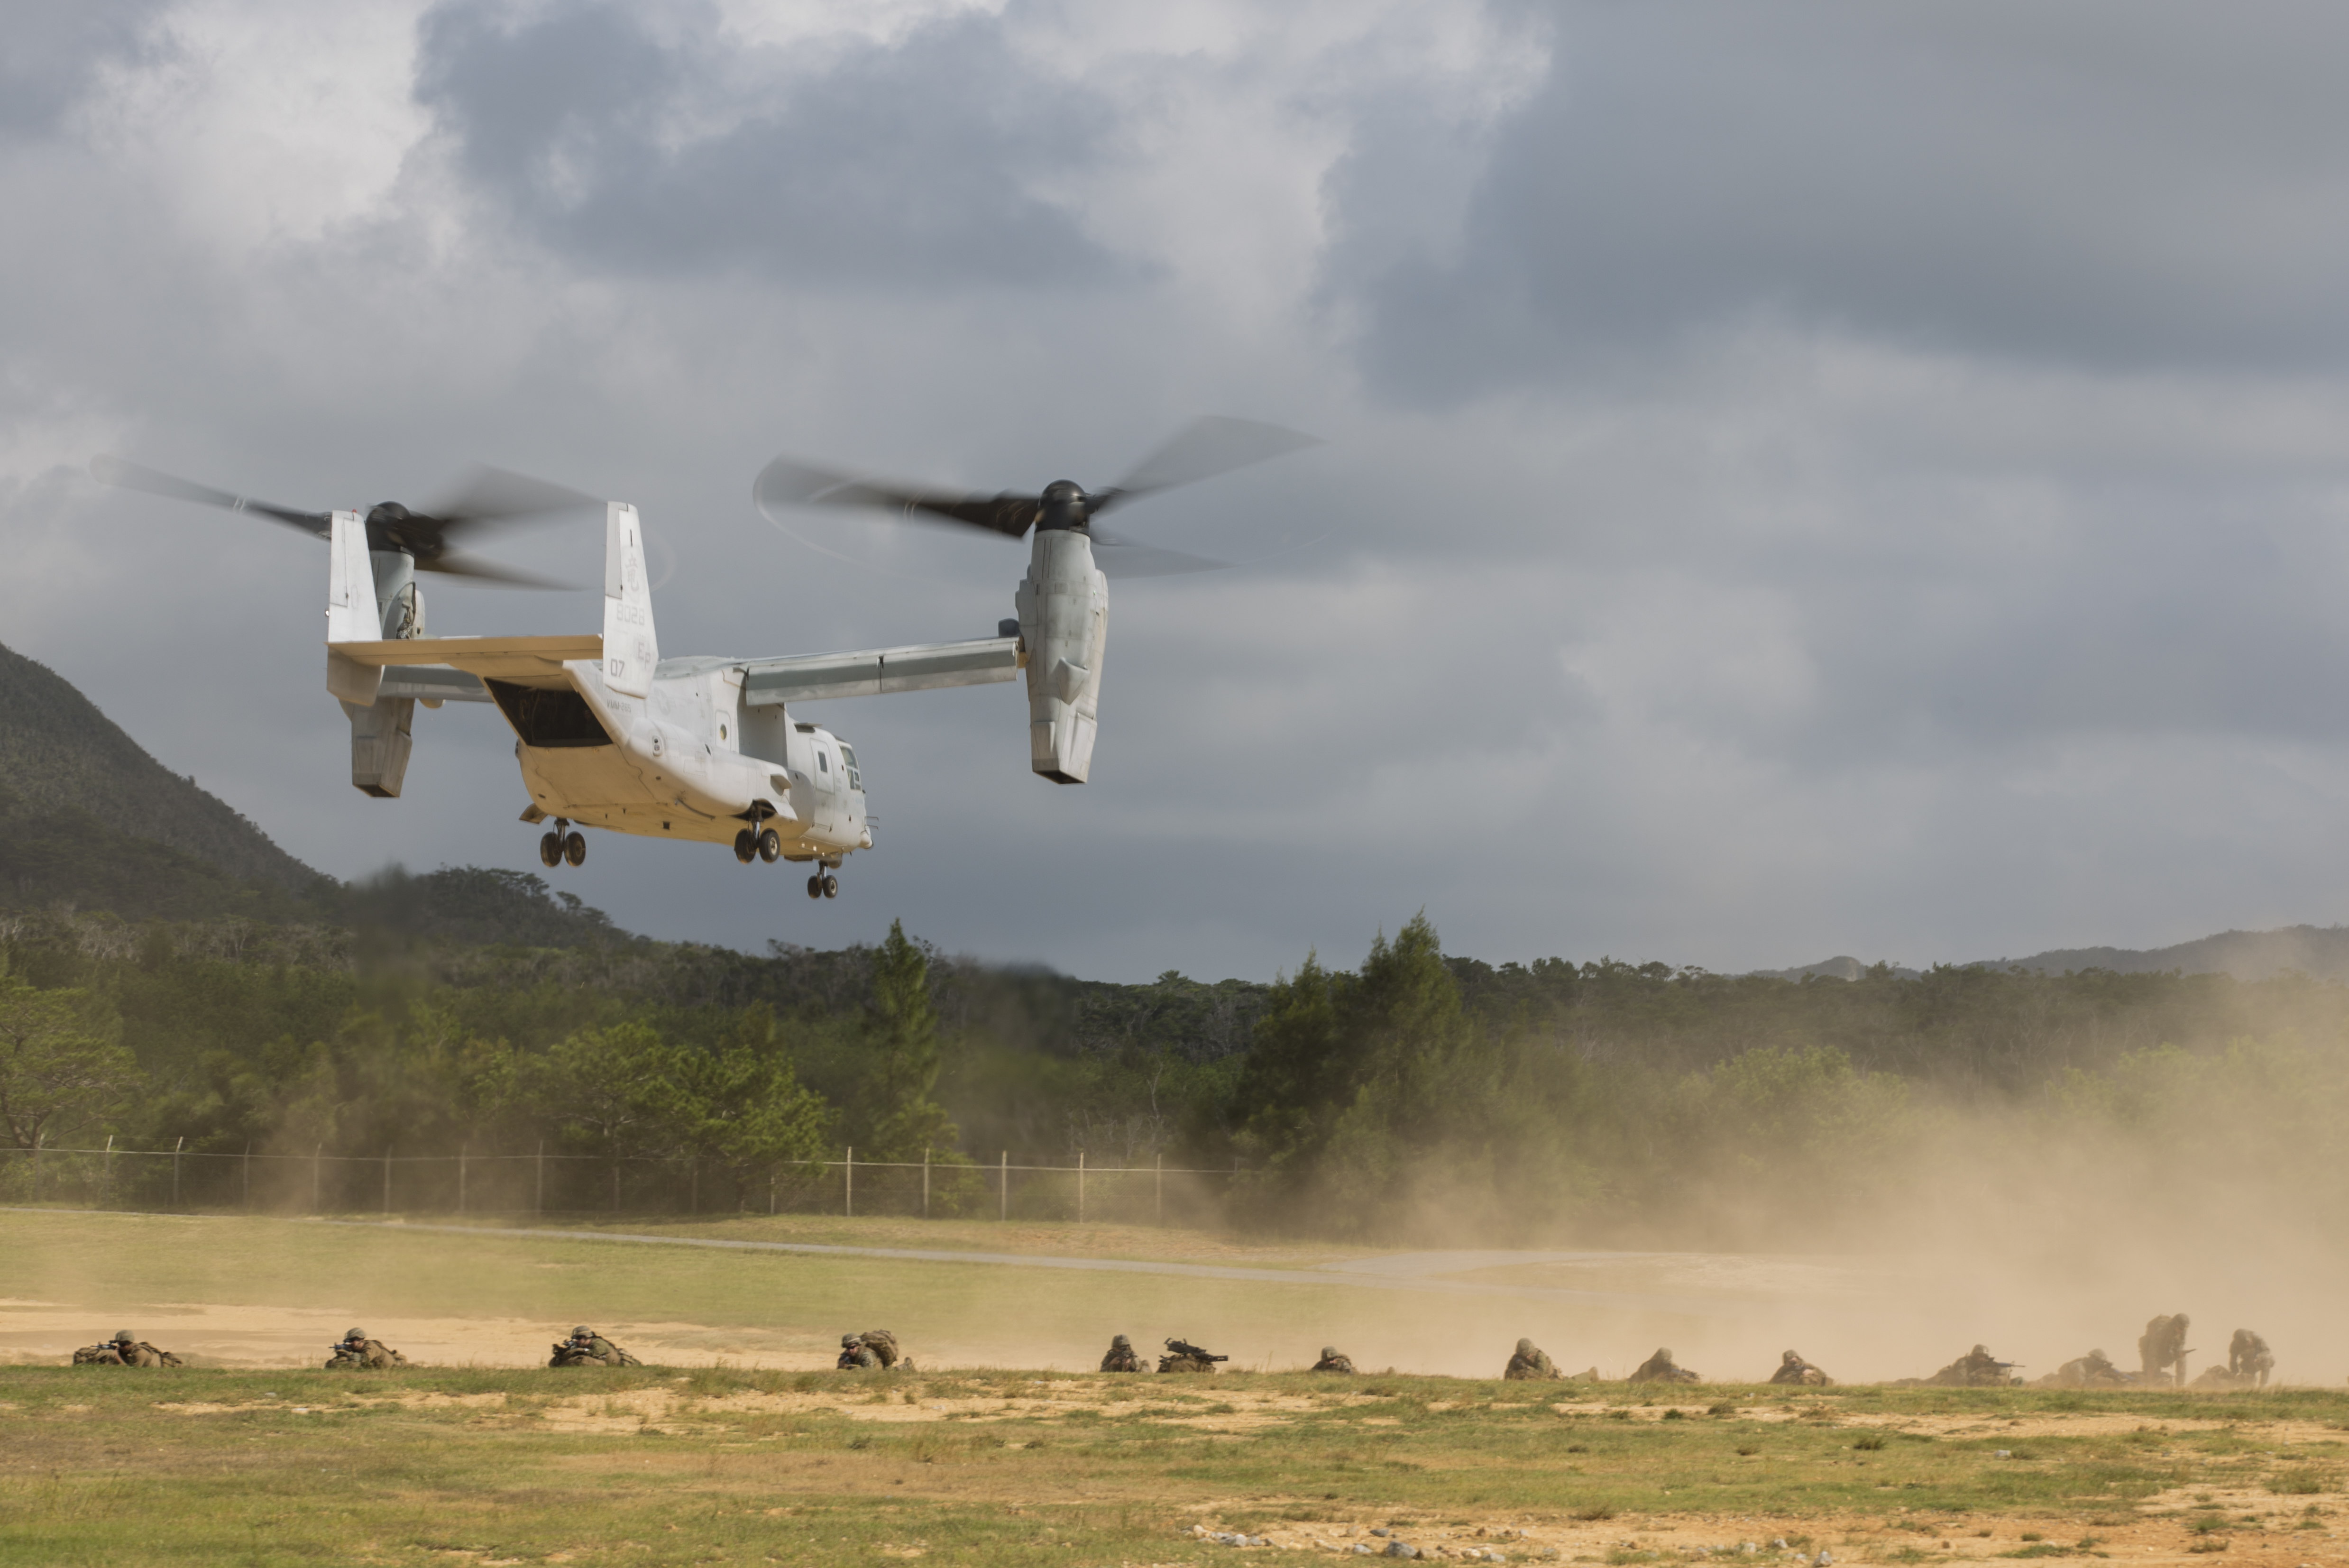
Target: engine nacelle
1065 620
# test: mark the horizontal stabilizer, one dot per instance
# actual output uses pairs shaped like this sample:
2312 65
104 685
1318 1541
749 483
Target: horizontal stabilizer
433 682
500 658
876 671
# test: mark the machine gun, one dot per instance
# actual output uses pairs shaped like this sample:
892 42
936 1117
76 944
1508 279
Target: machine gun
1184 1348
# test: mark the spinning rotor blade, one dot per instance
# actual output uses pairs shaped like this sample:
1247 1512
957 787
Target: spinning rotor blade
132 476
490 496
1202 450
788 483
488 572
1120 555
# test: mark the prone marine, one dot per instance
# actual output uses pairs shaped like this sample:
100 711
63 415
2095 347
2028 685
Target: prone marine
1529 1363
1331 1361
355 1351
1121 1356
1796 1372
125 1349
585 1348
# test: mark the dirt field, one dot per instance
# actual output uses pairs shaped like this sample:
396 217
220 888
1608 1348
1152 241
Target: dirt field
655 1467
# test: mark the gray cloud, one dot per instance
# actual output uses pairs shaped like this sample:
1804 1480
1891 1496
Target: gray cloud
2119 184
51 49
915 163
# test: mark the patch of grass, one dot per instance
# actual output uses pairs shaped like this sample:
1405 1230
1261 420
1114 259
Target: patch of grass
2301 1482
1870 1444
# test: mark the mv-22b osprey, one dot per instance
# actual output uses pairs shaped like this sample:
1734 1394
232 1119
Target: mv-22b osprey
611 735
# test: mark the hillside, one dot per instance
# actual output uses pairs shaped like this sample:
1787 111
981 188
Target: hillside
186 855
2320 952
59 754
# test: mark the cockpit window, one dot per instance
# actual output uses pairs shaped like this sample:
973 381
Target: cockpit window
848 760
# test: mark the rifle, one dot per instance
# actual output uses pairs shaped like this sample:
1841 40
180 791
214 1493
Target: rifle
1184 1347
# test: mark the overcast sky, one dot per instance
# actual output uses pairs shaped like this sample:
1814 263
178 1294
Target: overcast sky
1800 480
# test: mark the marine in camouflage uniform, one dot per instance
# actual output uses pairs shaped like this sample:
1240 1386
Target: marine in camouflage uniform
125 1349
874 1350
1529 1363
1332 1362
358 1352
2094 1370
1659 1368
1977 1368
2162 1348
1190 1358
2247 1355
1796 1372
1121 1356
585 1348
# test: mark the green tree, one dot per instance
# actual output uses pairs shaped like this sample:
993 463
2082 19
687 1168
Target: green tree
901 1031
62 1064
609 1091
740 1108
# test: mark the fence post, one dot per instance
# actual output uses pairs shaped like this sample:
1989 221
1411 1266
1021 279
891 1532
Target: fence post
615 1183
925 1183
245 1172
538 1204
1080 1186
771 1194
106 1173
317 1169
1003 1184
848 1182
387 1178
183 1143
1158 1191
462 1150
36 1167
693 1186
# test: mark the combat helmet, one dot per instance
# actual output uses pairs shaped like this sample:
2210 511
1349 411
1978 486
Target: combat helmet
1328 1353
354 1334
1663 1354
1982 1350
846 1340
124 1336
1525 1347
1788 1357
1120 1342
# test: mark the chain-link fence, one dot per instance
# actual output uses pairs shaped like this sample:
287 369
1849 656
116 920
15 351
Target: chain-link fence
186 1181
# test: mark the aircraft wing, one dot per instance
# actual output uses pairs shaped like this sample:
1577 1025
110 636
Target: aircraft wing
875 672
525 661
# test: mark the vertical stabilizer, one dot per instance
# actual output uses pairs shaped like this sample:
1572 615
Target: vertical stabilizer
631 652
351 613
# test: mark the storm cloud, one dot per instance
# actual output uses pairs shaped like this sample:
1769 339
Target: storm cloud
1801 478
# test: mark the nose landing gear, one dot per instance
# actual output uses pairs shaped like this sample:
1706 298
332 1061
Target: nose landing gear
565 843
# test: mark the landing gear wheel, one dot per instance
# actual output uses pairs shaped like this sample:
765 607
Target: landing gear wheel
745 846
831 886
574 849
771 846
550 851
815 887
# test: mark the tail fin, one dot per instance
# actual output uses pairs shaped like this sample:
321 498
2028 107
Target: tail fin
631 651
352 614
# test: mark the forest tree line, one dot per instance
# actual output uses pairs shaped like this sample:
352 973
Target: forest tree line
1418 1096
